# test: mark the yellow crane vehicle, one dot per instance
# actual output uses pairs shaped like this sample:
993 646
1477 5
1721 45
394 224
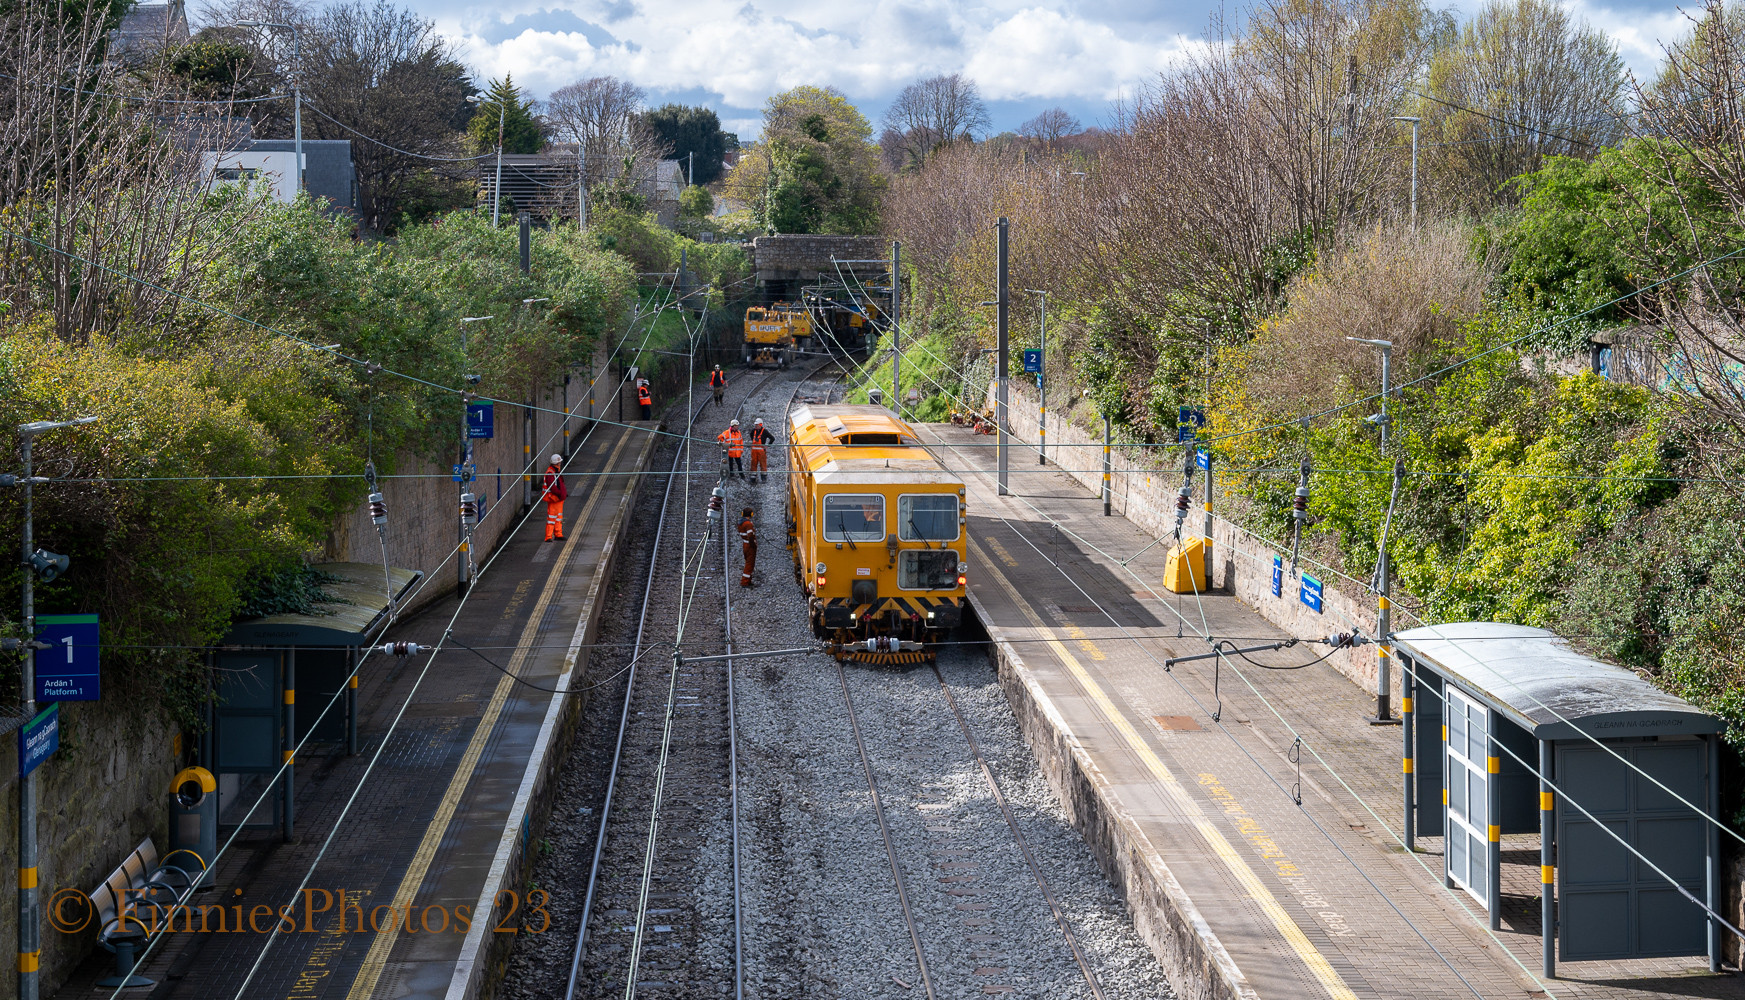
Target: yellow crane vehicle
774 333
877 530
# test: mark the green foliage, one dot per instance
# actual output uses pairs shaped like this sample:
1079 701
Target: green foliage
289 590
214 67
504 104
170 562
653 248
687 130
695 202
819 168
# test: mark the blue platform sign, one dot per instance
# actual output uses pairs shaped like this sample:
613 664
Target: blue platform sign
1278 576
1032 361
39 739
67 669
1310 593
1188 420
1202 460
481 420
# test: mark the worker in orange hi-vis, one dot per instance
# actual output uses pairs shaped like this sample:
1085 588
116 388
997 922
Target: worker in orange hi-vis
718 383
645 399
747 545
760 438
735 442
555 493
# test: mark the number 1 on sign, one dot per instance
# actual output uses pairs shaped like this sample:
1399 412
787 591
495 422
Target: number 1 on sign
68 642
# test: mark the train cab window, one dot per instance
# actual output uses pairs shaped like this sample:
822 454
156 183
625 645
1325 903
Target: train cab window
927 569
873 437
854 517
927 517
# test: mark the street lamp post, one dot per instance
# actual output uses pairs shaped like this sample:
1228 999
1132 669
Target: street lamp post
296 88
1383 582
1380 419
1414 121
29 915
497 188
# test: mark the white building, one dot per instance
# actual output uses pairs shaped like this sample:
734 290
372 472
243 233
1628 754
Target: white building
273 172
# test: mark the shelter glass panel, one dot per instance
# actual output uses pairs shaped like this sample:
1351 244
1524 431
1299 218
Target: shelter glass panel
1468 813
854 517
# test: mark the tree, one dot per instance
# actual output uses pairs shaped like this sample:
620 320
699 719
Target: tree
374 70
1524 81
504 111
216 69
816 170
687 131
695 202
1050 126
933 112
603 114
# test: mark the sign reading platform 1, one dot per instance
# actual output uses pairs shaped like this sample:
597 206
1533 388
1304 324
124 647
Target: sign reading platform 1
67 669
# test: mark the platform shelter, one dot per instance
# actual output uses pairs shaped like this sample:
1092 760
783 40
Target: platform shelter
269 665
1509 729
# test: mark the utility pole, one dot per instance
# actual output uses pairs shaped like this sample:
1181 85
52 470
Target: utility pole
296 89
1108 486
1380 419
497 189
29 914
1207 548
1414 121
1384 616
582 183
691 169
1000 352
468 504
1042 386
526 221
896 326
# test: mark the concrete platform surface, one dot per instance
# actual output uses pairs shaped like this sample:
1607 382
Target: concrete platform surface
1250 874
437 800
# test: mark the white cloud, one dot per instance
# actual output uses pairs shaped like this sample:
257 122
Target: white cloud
1641 35
1044 54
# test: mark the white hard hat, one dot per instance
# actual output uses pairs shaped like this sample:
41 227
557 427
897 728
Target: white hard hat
760 421
557 459
733 424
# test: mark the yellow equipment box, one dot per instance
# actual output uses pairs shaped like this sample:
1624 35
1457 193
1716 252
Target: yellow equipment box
1185 573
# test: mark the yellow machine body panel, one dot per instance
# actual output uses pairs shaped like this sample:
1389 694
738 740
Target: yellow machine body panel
877 527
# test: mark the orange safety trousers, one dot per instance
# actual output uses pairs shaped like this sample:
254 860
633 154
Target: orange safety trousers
749 550
759 459
553 519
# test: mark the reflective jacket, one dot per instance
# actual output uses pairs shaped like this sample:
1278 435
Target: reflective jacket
555 491
643 396
760 436
718 377
734 440
747 531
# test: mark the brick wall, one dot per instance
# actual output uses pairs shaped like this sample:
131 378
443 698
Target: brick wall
814 253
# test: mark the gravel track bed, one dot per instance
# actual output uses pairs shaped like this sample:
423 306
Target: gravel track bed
822 917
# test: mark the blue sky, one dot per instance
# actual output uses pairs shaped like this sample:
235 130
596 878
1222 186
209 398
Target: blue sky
1026 57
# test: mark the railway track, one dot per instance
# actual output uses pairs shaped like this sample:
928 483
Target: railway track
653 916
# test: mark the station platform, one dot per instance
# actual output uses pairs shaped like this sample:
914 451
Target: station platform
438 800
1247 874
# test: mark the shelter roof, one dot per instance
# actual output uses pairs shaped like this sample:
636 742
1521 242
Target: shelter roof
1537 680
359 613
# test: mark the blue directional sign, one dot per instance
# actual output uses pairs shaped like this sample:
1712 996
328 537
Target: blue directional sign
67 669
481 420
1032 361
455 473
1278 577
1202 460
1310 593
39 739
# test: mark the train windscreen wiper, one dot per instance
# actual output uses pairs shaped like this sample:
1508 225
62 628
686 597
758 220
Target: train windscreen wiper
922 535
842 526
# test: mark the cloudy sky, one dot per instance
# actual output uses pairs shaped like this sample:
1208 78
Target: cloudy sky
732 54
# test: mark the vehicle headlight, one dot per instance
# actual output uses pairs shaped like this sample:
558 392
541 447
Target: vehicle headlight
820 567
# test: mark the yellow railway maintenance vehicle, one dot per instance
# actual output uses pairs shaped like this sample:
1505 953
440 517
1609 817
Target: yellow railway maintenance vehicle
769 338
877 531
